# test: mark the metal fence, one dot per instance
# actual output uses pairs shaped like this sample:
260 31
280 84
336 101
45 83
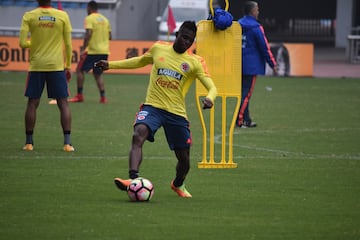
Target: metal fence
318 31
353 52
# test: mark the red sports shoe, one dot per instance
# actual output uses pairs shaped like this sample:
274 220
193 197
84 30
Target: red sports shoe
103 100
77 98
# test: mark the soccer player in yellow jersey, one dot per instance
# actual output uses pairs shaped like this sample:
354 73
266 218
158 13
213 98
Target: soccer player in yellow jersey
174 70
95 47
50 30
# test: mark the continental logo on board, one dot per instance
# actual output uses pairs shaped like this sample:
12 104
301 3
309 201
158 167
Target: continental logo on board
9 54
14 58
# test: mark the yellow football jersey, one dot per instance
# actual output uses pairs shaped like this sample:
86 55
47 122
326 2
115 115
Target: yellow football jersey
171 76
100 26
50 29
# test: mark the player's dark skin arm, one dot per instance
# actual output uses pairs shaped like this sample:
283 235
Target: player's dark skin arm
87 37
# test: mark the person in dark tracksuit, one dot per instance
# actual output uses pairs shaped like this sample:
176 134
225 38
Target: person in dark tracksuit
255 54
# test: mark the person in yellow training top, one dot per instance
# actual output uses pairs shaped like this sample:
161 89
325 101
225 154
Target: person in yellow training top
174 69
95 48
50 30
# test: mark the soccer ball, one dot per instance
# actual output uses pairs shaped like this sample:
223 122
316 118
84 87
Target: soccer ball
140 190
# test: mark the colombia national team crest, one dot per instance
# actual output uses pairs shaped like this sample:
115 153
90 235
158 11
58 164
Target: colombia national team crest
142 115
185 67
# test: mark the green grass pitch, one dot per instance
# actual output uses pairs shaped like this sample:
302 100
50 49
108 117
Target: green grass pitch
297 175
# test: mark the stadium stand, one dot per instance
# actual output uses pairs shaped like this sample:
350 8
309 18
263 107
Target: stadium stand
75 8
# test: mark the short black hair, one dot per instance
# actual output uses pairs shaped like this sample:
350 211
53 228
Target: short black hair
44 2
249 6
191 25
93 5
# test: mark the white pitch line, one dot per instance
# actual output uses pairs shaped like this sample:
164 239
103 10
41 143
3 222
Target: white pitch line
301 130
217 140
84 157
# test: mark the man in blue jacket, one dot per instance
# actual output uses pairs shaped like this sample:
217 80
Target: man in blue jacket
255 53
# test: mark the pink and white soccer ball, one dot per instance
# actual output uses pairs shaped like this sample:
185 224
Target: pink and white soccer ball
140 190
